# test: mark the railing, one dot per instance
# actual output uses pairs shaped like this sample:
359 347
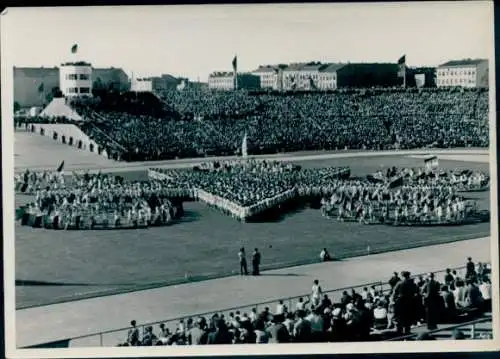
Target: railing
115 336
470 326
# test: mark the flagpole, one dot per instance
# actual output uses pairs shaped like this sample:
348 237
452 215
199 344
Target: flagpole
404 77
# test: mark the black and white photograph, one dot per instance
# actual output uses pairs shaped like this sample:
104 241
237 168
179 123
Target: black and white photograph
249 179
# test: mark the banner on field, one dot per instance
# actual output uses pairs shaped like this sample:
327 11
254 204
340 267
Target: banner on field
431 162
420 80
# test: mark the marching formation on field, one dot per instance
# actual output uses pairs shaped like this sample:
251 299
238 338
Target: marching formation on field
370 313
94 202
407 196
244 189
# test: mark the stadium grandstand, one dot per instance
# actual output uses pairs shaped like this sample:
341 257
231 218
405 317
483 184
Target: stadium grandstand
186 124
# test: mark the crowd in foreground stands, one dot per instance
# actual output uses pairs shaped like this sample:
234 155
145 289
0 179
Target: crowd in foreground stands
214 123
371 314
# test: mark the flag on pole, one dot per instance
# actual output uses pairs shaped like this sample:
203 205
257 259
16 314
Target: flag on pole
74 49
402 66
41 88
61 167
244 148
235 63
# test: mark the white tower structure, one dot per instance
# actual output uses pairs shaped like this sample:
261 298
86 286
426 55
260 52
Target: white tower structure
75 79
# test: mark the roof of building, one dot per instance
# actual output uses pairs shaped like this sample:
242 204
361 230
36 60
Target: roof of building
266 68
221 74
78 63
465 62
35 71
331 67
295 67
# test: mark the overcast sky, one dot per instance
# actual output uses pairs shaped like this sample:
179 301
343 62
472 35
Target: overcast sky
193 41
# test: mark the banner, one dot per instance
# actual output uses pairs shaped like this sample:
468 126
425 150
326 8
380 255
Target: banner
420 80
431 162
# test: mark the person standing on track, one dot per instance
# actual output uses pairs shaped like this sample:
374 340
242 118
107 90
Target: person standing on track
243 261
256 257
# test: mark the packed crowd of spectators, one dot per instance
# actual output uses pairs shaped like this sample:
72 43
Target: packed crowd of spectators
371 314
214 123
98 202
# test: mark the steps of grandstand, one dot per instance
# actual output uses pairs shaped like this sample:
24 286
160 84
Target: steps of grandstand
58 108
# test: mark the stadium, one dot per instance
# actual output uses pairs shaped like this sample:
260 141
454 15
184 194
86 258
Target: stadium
136 206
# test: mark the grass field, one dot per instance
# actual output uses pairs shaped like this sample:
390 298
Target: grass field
54 266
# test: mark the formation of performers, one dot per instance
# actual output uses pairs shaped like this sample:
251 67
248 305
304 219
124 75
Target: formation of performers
407 205
361 314
100 202
246 189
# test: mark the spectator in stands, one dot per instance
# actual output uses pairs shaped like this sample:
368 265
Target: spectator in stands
149 338
460 294
448 278
280 308
433 302
220 335
260 331
450 308
471 269
404 300
473 297
485 289
316 294
277 331
301 305
133 334
302 328
394 280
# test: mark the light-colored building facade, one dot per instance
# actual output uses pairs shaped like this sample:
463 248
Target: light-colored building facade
75 79
221 81
142 85
225 81
268 77
313 76
463 73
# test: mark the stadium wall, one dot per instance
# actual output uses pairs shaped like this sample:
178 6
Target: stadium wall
69 135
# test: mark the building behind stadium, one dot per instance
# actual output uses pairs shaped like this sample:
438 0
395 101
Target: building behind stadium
463 73
36 86
317 76
226 81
